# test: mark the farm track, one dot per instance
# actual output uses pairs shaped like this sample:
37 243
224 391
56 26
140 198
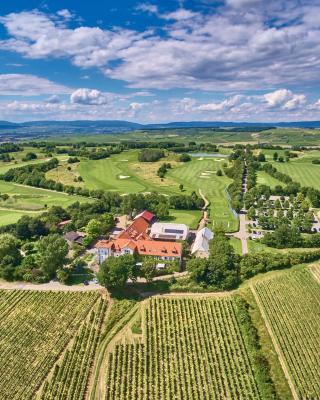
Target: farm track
50 286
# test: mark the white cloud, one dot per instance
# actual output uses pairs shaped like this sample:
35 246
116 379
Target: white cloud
66 14
146 7
88 97
35 35
54 99
296 101
29 85
232 47
285 99
223 105
243 3
181 14
136 106
278 97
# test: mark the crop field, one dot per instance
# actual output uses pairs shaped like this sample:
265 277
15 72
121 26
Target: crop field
124 174
291 304
70 377
35 328
191 349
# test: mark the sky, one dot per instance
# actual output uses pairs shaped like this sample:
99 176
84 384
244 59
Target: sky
160 61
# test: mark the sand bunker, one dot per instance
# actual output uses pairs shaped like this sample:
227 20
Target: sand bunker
124 176
204 177
124 160
200 159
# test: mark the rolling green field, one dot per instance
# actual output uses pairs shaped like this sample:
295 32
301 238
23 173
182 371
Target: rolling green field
265 179
27 200
279 136
124 174
302 170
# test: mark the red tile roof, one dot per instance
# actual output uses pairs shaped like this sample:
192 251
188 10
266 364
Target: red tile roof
147 215
143 247
137 230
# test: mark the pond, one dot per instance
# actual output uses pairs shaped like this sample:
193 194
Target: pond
217 155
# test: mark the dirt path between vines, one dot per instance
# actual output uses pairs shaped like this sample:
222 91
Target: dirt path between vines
54 286
275 344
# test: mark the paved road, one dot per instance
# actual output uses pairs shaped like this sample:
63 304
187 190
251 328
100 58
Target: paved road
204 219
242 233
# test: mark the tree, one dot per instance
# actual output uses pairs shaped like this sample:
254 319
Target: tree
148 269
63 275
275 156
251 213
181 187
261 157
221 270
52 252
115 271
10 256
219 172
185 157
94 228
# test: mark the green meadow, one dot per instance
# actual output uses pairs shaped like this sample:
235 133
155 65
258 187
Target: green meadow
28 200
124 174
302 170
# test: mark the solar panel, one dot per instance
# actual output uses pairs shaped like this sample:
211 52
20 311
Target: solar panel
177 231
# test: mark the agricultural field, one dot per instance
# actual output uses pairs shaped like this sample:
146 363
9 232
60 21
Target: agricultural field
35 329
70 376
190 348
291 307
279 136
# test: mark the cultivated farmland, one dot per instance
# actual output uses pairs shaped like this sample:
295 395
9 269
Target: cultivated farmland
191 349
70 377
35 329
291 306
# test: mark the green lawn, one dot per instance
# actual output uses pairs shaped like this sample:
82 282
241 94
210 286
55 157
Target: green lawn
124 174
265 179
236 243
25 200
190 218
10 217
302 170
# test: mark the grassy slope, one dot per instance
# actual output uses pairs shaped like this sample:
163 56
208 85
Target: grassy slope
302 170
265 179
28 199
104 174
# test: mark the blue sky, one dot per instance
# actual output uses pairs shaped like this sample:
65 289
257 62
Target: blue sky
234 60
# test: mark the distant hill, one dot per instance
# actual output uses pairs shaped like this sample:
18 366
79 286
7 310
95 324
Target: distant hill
40 129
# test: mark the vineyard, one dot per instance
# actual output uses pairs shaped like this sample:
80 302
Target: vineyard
192 349
291 304
70 378
35 328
